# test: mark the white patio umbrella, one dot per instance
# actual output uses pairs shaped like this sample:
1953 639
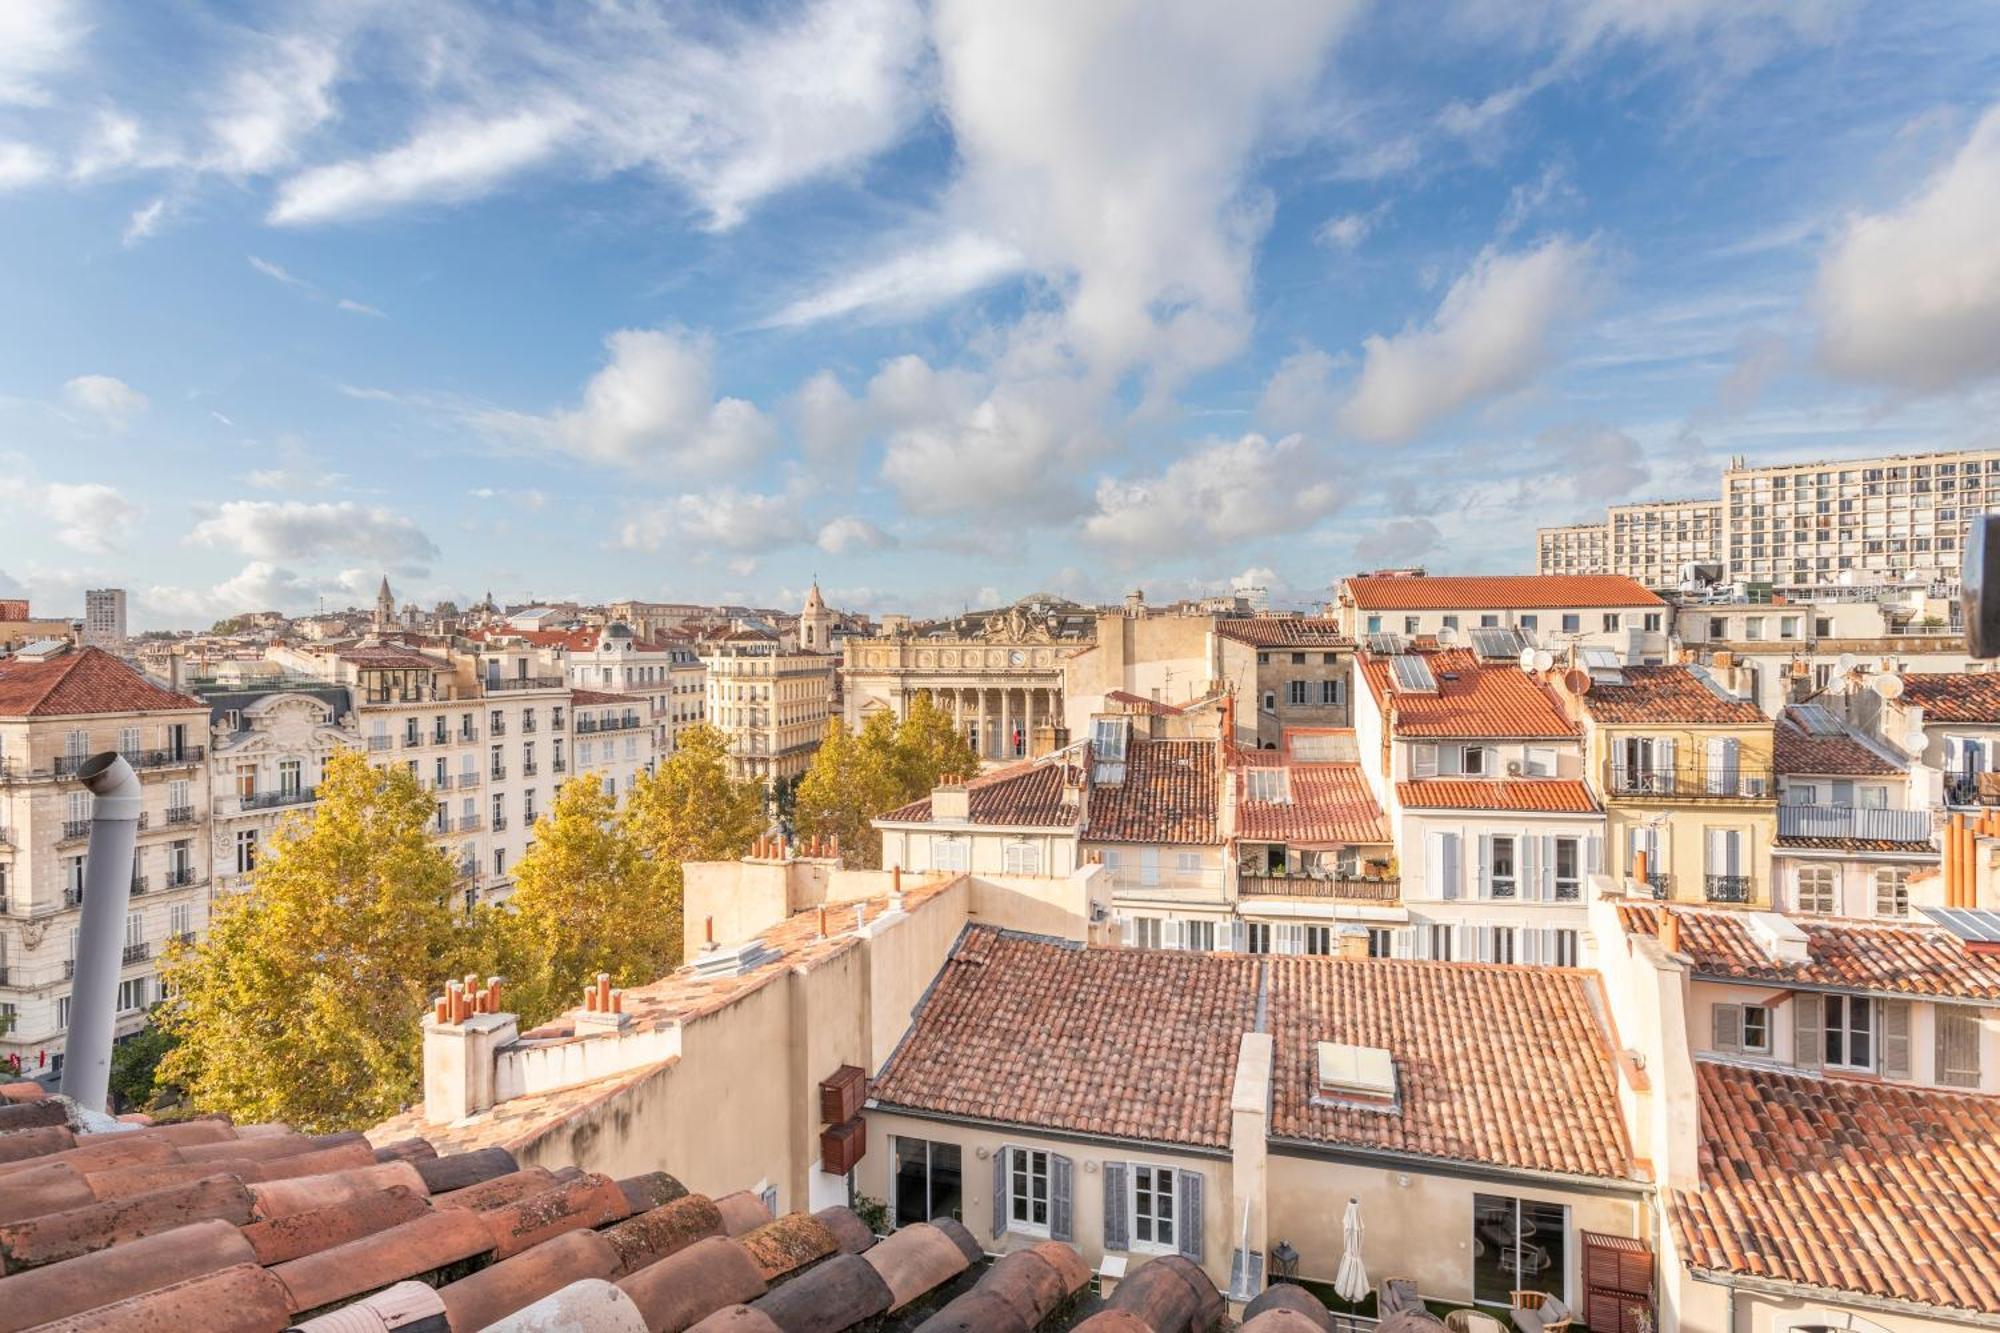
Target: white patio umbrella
1351 1282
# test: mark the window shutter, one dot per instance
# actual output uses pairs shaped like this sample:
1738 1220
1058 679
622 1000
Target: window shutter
1061 1215
1292 939
1448 845
1170 934
1593 854
1717 857
1403 943
1190 1228
1449 763
1808 1037
1663 764
1895 1038
1486 865
1465 943
1728 1034
1957 1046
1117 1225
1000 1192
1130 930
1424 760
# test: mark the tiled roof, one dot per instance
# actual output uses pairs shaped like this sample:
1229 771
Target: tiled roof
380 656
596 698
1330 803
1133 703
1954 696
1169 795
86 681
1498 1065
202 1225
1474 699
1873 1188
1027 794
1514 592
1799 752
1667 694
1285 632
1800 844
1556 796
1849 955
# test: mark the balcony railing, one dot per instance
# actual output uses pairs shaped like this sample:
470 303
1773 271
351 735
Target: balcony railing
1690 782
1728 888
180 814
468 823
556 722
1344 888
75 828
440 738
69 968
625 723
442 782
558 766
1972 789
498 685
174 756
140 884
498 727
138 953
467 735
73 895
498 774
1847 821
529 770
412 742
499 823
180 877
468 780
1659 884
527 726
271 800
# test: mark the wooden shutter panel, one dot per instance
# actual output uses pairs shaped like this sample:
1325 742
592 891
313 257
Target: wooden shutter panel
1448 847
1546 866
1117 1224
1485 865
1000 1192
1895 1038
1808 1036
1061 1223
1957 1046
1593 855
1190 1228
1728 1022
1130 931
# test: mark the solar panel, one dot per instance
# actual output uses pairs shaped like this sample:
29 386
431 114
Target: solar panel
1817 720
1384 644
1413 674
1600 659
1493 645
1969 924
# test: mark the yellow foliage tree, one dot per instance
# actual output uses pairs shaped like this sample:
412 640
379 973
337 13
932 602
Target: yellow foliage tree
586 900
303 1002
690 809
855 778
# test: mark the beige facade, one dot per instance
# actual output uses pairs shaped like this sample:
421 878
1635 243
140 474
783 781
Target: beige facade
1790 651
1654 540
1004 689
1165 657
770 702
269 741
1573 548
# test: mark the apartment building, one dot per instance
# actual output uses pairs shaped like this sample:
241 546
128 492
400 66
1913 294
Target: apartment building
55 712
1653 541
104 617
771 703
1851 833
1296 670
1553 611
611 738
1573 548
1783 651
664 672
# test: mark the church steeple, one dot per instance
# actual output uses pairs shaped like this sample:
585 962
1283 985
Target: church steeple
816 623
385 606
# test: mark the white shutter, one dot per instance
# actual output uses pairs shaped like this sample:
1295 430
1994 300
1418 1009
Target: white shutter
1954 754
1403 942
1128 931
1292 939
1424 761
1664 777
1453 875
1449 762
1465 942
1170 934
1547 880
1485 865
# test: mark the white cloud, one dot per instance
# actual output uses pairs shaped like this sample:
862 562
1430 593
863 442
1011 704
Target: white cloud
849 533
1014 450
457 158
726 519
1911 297
274 530
831 423
1299 395
90 517
108 398
911 281
37 38
1594 463
1553 188
279 273
298 470
258 586
359 308
144 222
1495 328
22 164
1346 231
282 91
653 403
1225 492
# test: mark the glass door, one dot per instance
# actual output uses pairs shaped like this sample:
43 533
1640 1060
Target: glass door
1518 1245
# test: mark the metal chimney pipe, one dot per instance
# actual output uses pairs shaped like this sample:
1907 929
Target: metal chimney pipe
100 937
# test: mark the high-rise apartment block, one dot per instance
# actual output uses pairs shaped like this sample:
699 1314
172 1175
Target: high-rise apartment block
1803 528
104 617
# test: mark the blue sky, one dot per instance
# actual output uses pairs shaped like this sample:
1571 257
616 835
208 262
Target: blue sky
947 303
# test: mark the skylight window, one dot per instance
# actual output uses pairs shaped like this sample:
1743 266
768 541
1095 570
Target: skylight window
1356 1073
1268 784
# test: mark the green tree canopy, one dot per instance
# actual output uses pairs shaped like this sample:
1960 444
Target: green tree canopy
690 809
586 900
303 1002
856 778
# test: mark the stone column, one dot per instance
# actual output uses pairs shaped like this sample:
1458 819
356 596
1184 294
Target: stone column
1006 722
985 724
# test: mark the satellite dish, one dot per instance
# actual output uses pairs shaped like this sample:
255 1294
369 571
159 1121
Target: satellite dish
1447 635
1889 687
1845 663
1527 659
1544 659
1577 681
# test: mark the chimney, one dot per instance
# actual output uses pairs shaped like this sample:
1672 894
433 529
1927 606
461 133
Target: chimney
950 802
100 939
1640 867
1670 929
463 1037
1353 941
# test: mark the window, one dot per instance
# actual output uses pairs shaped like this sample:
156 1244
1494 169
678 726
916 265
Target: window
1489 621
1814 889
1531 623
132 994
1742 1029
951 854
1022 858
1319 940
1270 701
1152 1208
1610 621
1957 1046
1501 881
1027 1189
1475 760
1198 936
180 921
1259 936
1374 624
1569 869
1412 625
1298 692
1849 1022
1265 784
1892 893
1538 761
1333 692
930 1184
1802 793
499 860
1381 942
246 850
1146 932
1572 622
1517 1244
1652 622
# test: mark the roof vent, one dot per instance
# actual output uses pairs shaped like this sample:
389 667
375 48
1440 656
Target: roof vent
733 962
1780 939
1356 1075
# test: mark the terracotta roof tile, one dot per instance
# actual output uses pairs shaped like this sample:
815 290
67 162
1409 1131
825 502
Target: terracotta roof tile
385 657
1874 1188
1561 796
1330 803
1133 703
1285 632
1800 752
1954 696
1666 694
1514 592
1815 844
1474 699
1499 1065
596 698
86 681
1168 795
1030 794
1850 955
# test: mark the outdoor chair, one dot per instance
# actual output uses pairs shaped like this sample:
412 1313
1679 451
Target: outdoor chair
1539 1312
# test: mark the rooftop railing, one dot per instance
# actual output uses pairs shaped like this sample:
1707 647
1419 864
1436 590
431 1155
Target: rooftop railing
1690 782
1846 821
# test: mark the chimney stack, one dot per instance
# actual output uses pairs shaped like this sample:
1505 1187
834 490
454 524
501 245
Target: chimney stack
1670 931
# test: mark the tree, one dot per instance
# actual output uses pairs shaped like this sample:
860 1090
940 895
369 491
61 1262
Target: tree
930 747
852 779
692 810
586 900
135 1064
303 1001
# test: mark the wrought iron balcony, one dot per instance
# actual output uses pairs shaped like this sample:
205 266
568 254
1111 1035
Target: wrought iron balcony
498 685
380 742
140 884
73 896
499 823
180 877
138 953
1690 782
468 780
75 828
180 814
1728 888
498 727
499 774
271 800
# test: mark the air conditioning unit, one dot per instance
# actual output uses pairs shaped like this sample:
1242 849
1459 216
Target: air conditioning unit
1513 768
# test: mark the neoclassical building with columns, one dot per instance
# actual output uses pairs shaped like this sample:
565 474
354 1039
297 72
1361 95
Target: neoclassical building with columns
999 676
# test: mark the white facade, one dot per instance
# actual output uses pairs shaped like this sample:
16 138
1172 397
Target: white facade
1574 548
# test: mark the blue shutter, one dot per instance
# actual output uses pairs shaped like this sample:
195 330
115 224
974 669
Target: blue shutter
1060 1212
1190 1225
1117 1225
1000 1192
